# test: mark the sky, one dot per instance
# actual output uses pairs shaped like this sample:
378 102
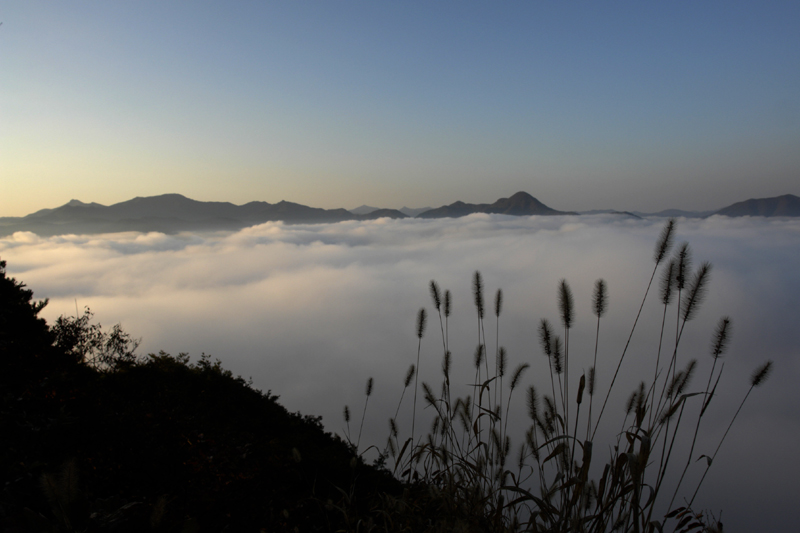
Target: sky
311 312
585 105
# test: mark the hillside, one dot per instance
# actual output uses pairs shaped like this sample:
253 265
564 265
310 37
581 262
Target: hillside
787 205
520 204
134 444
172 213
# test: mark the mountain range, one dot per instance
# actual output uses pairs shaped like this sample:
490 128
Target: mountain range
172 213
408 211
521 204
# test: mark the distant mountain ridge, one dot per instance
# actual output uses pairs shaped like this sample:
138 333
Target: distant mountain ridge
627 214
520 204
364 209
677 213
408 211
414 211
172 213
787 205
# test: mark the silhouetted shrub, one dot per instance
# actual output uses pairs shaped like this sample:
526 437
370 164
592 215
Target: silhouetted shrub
97 439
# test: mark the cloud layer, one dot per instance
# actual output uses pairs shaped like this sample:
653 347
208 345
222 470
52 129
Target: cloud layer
311 311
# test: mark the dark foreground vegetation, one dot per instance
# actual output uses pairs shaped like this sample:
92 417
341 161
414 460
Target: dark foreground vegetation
96 438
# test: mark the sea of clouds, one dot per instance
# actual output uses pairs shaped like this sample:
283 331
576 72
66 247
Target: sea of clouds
310 312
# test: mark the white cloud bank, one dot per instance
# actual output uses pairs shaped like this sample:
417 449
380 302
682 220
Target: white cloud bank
312 311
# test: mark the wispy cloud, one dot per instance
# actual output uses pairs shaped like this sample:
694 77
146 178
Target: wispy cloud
311 311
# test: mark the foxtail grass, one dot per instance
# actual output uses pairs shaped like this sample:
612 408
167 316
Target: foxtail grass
556 481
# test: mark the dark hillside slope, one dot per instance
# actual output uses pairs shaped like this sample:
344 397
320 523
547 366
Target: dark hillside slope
167 213
520 204
787 205
382 213
158 441
173 206
454 210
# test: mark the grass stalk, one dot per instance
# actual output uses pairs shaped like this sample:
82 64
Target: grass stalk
662 247
463 460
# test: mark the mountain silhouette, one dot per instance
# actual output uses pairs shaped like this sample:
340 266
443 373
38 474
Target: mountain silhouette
520 204
173 213
787 205
364 209
675 213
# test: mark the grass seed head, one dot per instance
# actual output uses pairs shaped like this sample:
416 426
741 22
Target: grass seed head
721 337
600 298
530 439
464 416
664 241
422 318
697 291
498 302
761 374
479 355
673 385
409 376
466 406
566 304
518 375
641 403
558 355
437 300
550 415
669 413
521 459
533 403
429 397
631 402
687 377
545 338
668 282
683 266
581 386
477 292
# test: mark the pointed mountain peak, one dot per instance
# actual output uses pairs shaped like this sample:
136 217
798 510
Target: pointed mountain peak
364 209
521 196
78 203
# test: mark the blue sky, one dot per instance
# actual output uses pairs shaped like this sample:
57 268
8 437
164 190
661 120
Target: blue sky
585 105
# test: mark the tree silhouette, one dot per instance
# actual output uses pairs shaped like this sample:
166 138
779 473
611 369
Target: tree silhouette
26 343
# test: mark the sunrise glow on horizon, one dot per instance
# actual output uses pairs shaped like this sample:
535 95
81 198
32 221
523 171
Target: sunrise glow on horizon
338 104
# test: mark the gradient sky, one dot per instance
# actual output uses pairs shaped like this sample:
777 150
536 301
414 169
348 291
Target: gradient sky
625 105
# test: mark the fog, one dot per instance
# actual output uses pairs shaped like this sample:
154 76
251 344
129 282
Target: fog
310 312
